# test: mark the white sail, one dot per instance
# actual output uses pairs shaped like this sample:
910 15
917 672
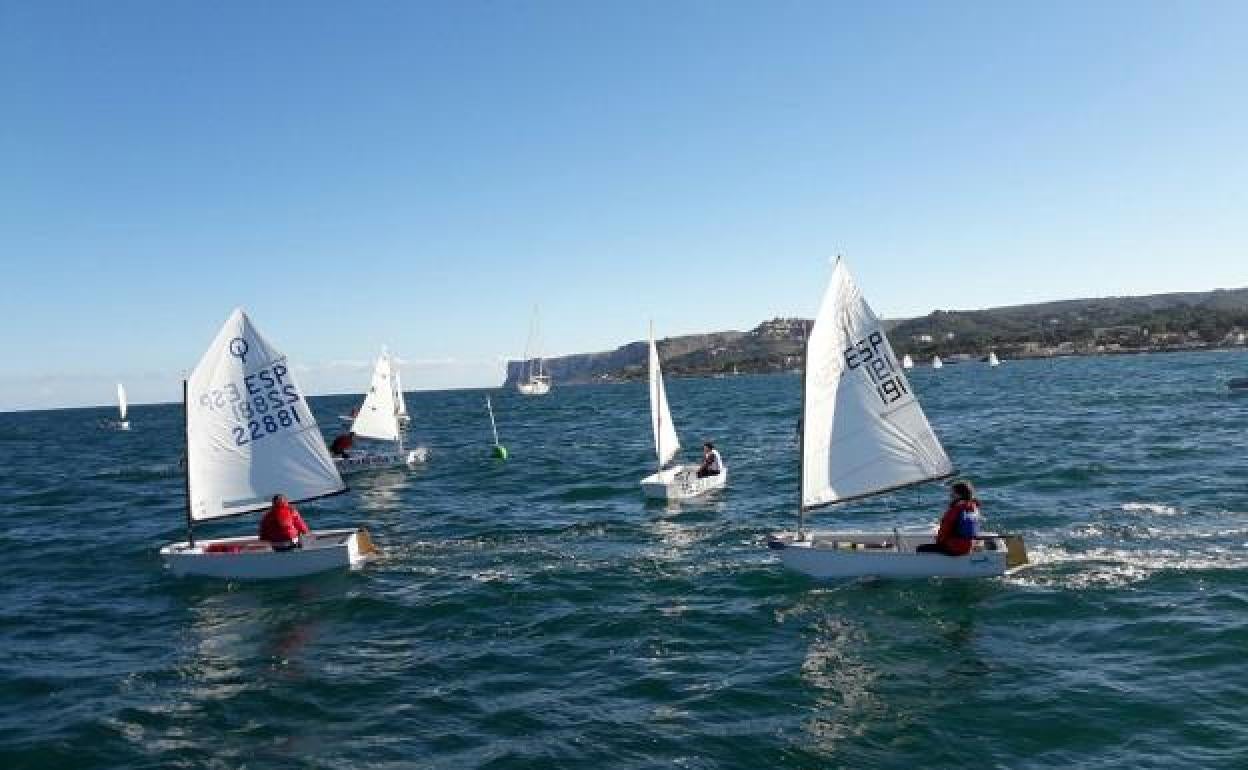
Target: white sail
666 442
378 417
250 433
907 362
937 363
864 431
122 405
399 401
992 358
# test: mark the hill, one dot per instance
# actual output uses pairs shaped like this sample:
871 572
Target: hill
1179 321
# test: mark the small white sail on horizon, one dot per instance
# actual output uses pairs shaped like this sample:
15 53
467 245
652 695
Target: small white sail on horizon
250 432
907 362
534 381
122 408
992 358
399 398
937 363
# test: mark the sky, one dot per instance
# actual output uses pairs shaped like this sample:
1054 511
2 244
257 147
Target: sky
422 175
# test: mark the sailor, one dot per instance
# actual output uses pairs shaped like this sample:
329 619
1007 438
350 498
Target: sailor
342 444
712 463
282 525
959 526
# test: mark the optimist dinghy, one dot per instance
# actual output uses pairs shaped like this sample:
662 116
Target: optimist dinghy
249 436
381 418
679 482
864 434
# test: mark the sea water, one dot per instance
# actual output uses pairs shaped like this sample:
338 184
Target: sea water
536 612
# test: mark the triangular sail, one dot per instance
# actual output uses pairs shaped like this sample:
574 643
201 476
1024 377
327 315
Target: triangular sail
666 442
250 433
936 362
863 430
992 359
907 362
122 404
399 401
379 417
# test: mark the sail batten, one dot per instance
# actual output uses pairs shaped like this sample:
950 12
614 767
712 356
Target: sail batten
250 432
378 417
666 442
864 432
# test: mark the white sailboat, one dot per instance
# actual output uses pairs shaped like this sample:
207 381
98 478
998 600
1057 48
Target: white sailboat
535 382
379 419
865 434
937 363
992 358
677 482
249 436
122 408
907 362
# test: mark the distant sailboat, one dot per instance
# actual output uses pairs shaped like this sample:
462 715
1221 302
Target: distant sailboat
249 436
122 408
864 435
937 363
380 419
907 362
536 382
992 358
404 418
679 481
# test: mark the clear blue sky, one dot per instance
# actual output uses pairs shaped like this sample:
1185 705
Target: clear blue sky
420 174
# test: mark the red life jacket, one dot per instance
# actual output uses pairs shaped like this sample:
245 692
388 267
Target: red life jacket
953 527
282 524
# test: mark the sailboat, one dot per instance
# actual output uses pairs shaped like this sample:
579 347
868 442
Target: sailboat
249 436
992 358
907 362
380 419
122 405
679 481
535 382
865 435
937 363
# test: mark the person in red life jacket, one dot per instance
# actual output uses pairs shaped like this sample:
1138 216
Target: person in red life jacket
342 444
959 526
282 525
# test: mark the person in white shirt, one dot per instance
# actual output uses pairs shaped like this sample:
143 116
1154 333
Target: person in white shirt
712 463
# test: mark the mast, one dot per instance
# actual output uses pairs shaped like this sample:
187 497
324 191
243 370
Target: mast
801 442
186 435
490 408
658 427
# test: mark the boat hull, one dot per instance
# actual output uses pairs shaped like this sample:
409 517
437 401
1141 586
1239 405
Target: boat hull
533 388
680 483
892 555
371 461
249 558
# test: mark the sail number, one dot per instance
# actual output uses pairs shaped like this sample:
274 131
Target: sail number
265 403
871 355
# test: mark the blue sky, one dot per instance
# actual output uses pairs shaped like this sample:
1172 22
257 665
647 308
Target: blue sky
421 174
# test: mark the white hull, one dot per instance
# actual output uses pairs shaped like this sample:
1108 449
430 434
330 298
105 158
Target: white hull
249 558
370 461
680 483
892 555
533 387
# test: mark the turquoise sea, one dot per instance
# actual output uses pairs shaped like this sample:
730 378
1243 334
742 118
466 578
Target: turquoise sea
536 613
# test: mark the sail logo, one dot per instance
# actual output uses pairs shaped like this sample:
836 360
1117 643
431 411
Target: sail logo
872 355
